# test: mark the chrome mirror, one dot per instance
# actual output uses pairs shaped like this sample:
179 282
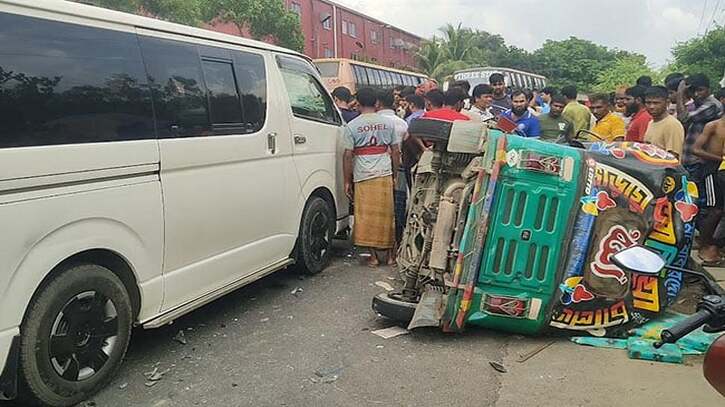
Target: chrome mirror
639 259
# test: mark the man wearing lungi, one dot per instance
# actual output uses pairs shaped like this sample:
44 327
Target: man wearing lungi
372 157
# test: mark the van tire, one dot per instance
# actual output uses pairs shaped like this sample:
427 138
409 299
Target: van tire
314 244
88 306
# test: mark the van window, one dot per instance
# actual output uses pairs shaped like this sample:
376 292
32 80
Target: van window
252 84
224 100
174 70
63 83
307 96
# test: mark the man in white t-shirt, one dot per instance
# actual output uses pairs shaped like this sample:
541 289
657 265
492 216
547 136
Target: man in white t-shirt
371 158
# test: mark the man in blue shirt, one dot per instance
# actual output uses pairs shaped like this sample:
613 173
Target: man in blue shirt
527 125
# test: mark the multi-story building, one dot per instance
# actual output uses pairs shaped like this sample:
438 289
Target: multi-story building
335 31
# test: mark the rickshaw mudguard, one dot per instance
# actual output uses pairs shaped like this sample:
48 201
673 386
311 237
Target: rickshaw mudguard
552 229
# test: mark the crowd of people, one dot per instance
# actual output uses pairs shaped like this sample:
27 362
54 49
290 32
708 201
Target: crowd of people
681 116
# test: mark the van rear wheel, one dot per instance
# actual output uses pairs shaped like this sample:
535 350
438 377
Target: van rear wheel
74 336
314 244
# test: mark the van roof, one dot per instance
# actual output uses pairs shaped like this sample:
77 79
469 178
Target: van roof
48 8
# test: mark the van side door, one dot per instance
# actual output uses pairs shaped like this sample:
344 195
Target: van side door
223 180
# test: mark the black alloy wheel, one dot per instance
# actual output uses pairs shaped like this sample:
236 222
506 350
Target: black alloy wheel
83 336
74 336
317 229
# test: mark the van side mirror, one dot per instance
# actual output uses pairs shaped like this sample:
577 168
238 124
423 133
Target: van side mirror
639 259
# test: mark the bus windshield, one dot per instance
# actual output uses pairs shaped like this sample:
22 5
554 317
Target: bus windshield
328 69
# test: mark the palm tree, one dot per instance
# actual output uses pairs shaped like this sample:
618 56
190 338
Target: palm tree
458 42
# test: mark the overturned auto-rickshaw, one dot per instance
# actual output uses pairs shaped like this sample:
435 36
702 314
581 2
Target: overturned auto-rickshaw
516 234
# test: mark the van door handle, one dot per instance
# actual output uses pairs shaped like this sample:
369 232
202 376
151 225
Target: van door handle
272 143
300 139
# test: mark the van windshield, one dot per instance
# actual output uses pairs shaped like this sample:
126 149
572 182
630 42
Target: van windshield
328 69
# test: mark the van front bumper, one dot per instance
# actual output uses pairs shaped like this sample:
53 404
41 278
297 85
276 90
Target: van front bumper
10 354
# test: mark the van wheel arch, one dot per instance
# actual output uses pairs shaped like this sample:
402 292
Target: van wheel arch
104 258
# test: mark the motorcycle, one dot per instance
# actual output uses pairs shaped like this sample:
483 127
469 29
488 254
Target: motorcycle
516 234
710 311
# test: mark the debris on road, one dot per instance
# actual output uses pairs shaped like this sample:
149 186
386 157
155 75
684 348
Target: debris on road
390 332
264 319
327 375
122 386
385 286
297 291
180 338
498 367
526 356
154 376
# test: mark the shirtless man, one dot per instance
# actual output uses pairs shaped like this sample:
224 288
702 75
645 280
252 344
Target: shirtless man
710 148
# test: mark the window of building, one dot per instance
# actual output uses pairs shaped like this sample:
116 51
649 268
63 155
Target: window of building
65 84
374 37
352 30
326 21
327 52
296 8
308 98
344 26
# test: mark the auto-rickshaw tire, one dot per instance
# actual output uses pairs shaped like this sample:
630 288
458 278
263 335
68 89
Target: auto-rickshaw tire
393 308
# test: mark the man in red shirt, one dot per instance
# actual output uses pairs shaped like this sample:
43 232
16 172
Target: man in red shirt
452 105
637 112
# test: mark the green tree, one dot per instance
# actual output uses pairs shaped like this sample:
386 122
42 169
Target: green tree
573 61
434 60
187 12
457 43
263 19
702 55
624 72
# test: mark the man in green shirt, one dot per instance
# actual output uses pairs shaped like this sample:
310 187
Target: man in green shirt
553 125
578 114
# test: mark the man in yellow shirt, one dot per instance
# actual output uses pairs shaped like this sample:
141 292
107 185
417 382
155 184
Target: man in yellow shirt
664 131
575 112
609 127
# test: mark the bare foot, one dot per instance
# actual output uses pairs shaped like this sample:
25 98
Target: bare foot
709 255
373 261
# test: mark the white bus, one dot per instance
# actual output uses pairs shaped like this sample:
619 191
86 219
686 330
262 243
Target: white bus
146 169
512 77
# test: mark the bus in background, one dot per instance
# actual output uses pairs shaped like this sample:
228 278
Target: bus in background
512 77
352 74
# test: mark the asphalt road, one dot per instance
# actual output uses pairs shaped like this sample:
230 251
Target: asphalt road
264 346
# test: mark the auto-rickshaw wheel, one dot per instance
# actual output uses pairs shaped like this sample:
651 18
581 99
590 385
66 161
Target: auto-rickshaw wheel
390 306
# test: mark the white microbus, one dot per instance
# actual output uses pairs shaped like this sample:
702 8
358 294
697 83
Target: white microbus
146 169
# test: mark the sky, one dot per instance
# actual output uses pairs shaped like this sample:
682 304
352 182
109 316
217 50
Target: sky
648 27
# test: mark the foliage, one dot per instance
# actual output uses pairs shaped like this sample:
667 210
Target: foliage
624 72
187 12
261 18
702 55
434 59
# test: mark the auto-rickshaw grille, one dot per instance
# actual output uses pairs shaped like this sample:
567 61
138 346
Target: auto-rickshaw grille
524 232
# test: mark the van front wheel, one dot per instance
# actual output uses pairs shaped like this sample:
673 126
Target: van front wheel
314 243
74 336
